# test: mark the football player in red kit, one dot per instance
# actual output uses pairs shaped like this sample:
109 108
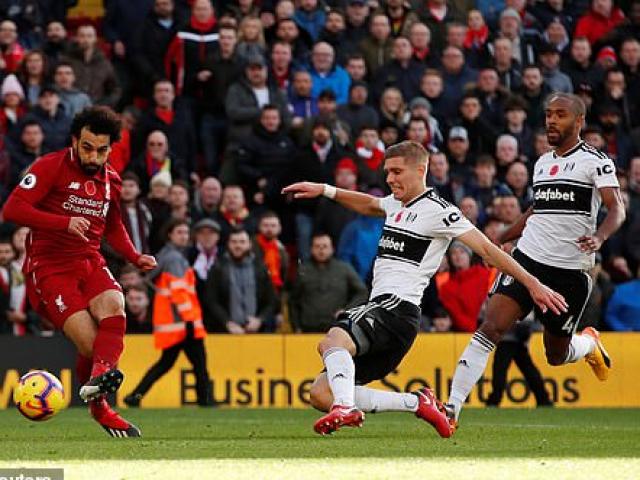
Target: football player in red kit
71 200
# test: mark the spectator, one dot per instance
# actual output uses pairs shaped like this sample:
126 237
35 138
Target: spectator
481 133
469 208
401 16
33 73
11 52
517 179
506 153
630 63
606 58
458 152
157 202
602 17
55 123
207 199
331 217
29 148
439 178
456 75
334 34
264 157
617 91
270 250
281 68
136 216
71 98
357 113
466 289
617 142
94 73
138 311
356 67
213 121
440 322
554 10
556 35
13 106
250 40
302 104
510 26
177 317
325 74
508 209
152 42
505 64
515 110
477 34
579 67
623 309
186 58
432 87
358 244
157 157
492 97
436 15
240 297
205 252
234 213
357 15
370 150
550 61
377 46
483 186
323 288
534 90
287 31
172 117
311 17
392 107
56 44
248 95
327 110
420 38
179 201
421 108
403 72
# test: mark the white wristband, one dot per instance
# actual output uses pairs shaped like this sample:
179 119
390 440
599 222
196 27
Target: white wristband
330 191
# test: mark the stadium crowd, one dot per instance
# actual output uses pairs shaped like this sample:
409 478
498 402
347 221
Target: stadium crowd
225 102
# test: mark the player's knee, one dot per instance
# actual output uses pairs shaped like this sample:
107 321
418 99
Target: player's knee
492 331
109 306
555 358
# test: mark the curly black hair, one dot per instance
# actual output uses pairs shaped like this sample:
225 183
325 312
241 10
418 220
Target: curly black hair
99 121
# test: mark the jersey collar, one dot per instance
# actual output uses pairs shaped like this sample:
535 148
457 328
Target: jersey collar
418 198
571 151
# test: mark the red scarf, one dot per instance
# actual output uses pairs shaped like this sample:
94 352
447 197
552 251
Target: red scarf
165 115
372 158
421 54
237 219
271 259
203 27
476 38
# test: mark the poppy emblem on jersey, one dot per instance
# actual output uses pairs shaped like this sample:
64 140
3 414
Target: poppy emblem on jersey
90 187
554 170
29 181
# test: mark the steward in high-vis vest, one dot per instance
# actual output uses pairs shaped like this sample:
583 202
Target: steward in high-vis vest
177 316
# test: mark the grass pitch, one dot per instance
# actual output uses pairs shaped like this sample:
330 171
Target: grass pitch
210 443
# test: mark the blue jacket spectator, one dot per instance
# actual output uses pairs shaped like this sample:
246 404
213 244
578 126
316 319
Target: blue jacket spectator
325 75
623 309
311 19
359 243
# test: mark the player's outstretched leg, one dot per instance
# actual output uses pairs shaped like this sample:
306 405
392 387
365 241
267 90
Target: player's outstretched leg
432 411
110 420
337 350
598 359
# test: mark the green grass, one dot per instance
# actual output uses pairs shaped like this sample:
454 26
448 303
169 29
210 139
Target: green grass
557 440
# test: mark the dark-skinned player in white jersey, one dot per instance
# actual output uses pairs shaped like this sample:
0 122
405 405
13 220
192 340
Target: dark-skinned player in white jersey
370 341
558 239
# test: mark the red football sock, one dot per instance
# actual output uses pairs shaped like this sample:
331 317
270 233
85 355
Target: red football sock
83 368
108 344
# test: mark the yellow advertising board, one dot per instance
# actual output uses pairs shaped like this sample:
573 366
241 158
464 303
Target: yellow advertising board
277 371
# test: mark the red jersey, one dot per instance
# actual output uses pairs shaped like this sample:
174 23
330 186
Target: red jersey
55 189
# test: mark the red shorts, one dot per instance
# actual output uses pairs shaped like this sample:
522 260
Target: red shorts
57 292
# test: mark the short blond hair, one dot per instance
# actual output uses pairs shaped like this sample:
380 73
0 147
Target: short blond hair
412 152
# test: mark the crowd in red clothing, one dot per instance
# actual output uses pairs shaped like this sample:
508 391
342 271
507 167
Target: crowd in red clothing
225 102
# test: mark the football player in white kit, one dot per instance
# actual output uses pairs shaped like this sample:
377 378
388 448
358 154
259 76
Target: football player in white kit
369 341
558 241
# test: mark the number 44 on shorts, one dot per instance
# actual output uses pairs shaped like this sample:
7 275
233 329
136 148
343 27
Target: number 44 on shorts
568 325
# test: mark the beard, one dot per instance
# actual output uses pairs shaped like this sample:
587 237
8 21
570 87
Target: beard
88 169
557 137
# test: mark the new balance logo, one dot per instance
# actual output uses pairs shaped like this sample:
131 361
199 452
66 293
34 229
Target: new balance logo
74 186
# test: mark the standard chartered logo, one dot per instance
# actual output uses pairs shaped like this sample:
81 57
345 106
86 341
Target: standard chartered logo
555 194
388 242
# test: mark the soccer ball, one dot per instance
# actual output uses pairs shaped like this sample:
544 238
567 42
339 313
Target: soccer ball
39 395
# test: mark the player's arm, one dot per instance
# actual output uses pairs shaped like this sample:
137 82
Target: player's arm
615 217
356 201
542 295
515 230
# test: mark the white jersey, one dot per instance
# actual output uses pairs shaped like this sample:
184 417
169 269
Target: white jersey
565 206
414 239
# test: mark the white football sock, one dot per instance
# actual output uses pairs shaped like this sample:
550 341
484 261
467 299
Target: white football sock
372 400
580 346
470 368
341 373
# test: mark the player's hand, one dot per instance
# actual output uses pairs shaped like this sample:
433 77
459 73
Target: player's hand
234 328
146 263
546 299
79 226
253 324
304 189
589 243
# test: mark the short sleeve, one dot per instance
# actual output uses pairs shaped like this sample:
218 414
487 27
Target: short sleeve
603 173
449 222
389 203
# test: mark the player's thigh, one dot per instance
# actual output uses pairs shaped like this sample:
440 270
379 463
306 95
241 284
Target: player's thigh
503 310
81 329
103 294
575 287
337 337
320 394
